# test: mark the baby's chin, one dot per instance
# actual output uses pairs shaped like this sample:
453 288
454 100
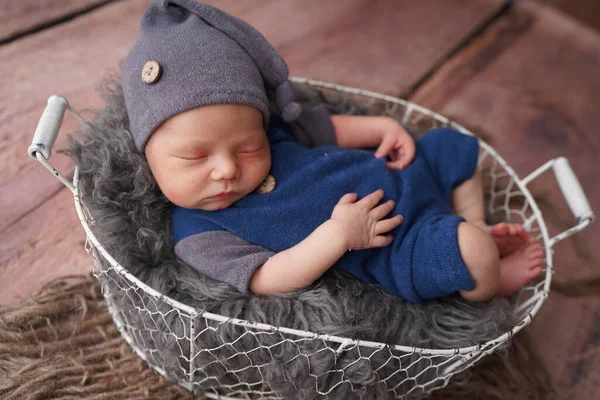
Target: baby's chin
215 205
211 204
212 207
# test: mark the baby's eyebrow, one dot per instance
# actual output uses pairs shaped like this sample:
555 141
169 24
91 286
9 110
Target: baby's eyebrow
194 145
186 148
249 140
191 142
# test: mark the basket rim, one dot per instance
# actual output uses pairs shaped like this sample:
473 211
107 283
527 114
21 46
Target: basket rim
535 302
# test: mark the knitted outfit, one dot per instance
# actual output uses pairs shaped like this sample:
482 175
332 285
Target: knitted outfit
424 260
189 55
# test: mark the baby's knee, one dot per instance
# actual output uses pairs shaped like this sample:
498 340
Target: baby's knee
480 255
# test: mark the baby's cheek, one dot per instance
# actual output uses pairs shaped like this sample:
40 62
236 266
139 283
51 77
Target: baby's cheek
170 192
177 191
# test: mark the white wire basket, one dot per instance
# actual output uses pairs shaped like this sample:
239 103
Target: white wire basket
407 372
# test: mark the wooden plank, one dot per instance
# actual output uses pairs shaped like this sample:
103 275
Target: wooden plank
586 11
78 53
567 333
24 183
70 60
45 244
387 45
529 86
18 17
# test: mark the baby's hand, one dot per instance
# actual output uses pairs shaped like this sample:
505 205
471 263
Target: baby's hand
362 223
397 144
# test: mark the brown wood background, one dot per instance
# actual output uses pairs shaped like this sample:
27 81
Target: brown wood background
523 76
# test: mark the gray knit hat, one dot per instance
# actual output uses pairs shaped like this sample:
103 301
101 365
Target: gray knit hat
188 55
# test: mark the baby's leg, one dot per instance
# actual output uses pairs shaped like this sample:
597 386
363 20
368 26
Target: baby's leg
494 276
468 202
480 255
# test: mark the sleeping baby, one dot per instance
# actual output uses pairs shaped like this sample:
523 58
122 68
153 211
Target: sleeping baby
267 199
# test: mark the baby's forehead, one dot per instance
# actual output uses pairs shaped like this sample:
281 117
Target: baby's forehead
190 134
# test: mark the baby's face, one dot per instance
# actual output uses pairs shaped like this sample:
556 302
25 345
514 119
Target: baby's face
209 157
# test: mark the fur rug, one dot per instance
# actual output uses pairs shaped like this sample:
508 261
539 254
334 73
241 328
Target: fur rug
132 223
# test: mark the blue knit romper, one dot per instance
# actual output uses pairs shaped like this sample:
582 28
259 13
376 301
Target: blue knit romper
424 260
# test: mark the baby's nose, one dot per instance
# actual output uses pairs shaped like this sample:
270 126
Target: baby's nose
226 168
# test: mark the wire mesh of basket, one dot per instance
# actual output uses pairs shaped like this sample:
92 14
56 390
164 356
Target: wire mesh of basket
207 355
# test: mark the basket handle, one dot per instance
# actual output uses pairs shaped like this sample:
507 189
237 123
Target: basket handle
571 190
46 133
48 127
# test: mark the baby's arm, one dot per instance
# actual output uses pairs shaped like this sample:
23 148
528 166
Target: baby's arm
385 133
302 264
355 225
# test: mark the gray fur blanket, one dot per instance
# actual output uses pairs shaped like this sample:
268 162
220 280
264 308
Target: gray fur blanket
132 223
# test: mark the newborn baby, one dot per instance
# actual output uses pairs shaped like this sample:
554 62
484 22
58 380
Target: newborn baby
268 204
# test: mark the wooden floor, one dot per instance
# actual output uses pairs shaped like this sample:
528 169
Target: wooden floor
524 76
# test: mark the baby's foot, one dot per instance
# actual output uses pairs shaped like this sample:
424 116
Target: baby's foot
520 267
508 237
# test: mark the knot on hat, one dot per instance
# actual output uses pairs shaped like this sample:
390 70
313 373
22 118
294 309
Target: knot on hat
285 94
291 112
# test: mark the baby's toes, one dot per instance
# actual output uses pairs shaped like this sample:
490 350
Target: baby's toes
523 234
515 230
535 261
530 238
535 254
538 255
533 272
500 229
534 248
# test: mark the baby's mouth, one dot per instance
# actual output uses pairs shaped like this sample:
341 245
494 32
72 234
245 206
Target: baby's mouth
224 195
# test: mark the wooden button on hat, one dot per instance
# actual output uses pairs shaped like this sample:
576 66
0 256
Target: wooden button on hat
151 72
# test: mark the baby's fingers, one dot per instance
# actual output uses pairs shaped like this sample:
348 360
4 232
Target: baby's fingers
382 241
388 224
348 198
382 210
403 156
371 200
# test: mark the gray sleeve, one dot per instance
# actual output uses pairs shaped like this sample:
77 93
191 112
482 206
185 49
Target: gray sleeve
223 256
314 127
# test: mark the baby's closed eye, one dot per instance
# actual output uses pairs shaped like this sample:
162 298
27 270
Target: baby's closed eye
251 149
191 156
248 151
